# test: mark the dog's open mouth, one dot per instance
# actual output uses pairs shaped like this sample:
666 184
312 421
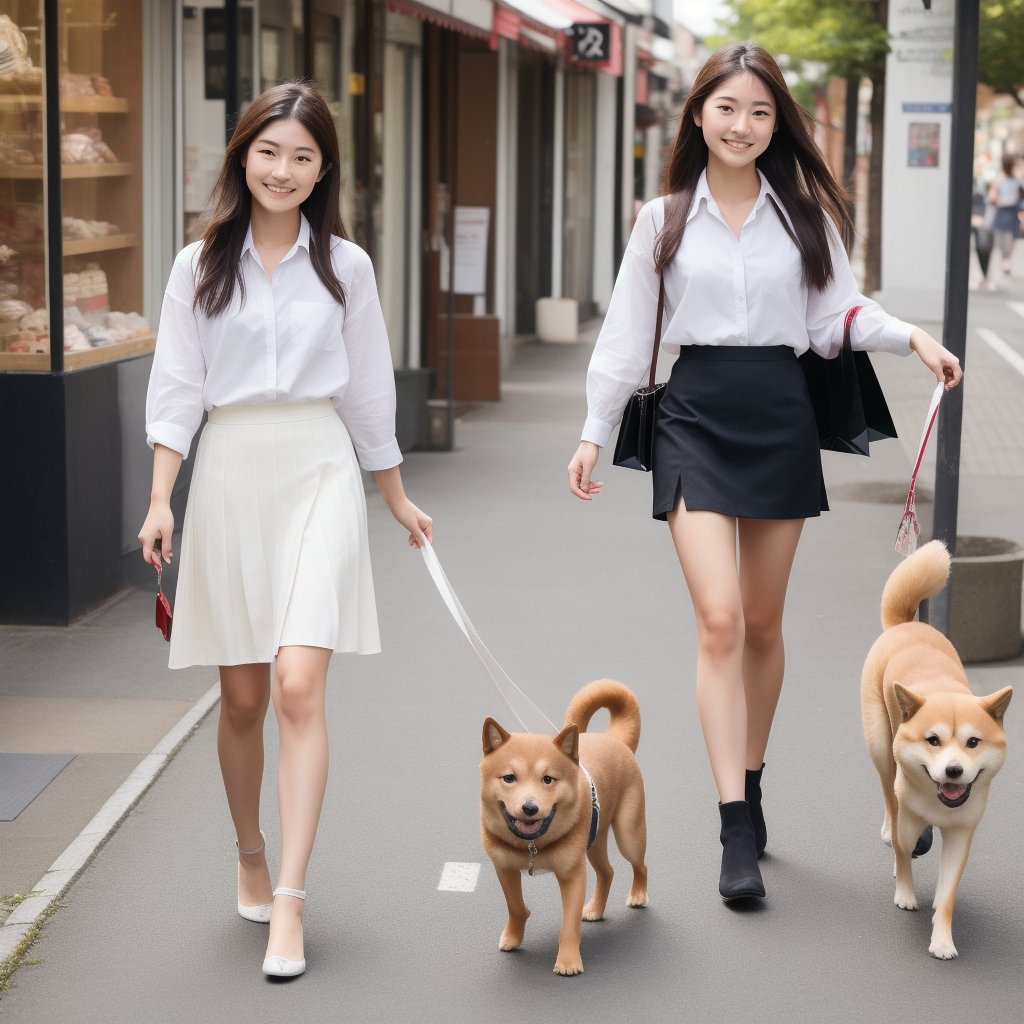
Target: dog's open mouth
527 828
954 794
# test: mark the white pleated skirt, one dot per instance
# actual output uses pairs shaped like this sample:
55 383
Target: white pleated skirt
274 545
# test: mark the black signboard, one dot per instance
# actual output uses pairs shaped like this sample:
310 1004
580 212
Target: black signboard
592 42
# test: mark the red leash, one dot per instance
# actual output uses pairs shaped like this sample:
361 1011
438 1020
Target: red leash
910 528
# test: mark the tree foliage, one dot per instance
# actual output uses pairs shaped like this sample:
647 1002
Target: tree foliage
1001 46
818 38
814 38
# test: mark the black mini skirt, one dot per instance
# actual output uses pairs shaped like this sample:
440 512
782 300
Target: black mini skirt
736 434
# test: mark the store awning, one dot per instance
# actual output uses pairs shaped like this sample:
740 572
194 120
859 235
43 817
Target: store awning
471 19
523 21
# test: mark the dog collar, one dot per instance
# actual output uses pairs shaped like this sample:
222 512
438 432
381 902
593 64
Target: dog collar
595 807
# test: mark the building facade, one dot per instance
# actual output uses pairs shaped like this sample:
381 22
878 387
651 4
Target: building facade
493 155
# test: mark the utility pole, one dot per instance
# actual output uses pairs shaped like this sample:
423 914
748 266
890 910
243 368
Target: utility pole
958 250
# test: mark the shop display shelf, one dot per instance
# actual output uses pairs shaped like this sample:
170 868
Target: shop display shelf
68 104
82 246
68 170
77 360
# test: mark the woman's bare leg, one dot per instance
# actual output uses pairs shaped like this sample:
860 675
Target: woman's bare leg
706 545
244 697
299 689
767 550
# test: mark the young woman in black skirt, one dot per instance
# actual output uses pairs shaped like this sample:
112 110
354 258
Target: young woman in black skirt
750 244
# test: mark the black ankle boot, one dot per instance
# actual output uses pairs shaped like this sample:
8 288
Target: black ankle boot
752 788
741 876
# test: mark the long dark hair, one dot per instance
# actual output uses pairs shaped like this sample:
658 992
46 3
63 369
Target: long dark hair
218 270
792 163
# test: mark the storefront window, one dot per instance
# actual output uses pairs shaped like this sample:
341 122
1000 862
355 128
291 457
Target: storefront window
101 187
24 323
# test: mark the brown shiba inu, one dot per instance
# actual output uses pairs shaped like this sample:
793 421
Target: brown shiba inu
546 804
936 745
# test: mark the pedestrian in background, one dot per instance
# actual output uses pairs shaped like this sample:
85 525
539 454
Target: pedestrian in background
982 218
272 325
750 246
1006 194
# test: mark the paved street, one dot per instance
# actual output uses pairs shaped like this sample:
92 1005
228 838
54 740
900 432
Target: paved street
562 593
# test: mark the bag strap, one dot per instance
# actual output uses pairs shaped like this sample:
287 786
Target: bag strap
657 330
848 326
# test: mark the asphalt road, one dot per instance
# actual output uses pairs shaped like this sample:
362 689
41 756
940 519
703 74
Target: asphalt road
563 593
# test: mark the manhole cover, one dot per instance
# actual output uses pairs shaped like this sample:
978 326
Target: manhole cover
879 493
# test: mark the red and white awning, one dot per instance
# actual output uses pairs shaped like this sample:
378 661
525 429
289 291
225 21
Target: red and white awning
546 24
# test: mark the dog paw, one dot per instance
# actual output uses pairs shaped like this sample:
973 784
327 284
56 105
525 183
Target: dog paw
943 949
637 899
592 914
509 942
905 901
568 968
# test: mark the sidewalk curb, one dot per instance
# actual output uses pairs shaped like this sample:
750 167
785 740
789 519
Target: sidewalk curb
69 865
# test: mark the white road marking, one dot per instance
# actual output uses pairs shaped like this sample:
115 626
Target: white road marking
1000 347
1017 307
459 877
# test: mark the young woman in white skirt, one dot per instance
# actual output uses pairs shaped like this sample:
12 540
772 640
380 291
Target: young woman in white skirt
749 244
271 325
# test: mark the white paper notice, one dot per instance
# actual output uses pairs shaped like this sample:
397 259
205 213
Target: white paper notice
471 227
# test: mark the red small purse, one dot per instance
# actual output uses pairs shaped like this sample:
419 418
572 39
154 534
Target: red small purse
163 606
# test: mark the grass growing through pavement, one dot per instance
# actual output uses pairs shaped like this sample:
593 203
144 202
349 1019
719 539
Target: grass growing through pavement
17 959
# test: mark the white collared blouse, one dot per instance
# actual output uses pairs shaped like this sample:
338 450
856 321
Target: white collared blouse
288 340
723 290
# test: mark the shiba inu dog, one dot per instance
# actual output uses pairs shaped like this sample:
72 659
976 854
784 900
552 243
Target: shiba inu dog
546 805
937 746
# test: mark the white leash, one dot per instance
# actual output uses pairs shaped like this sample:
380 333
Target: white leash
906 535
526 713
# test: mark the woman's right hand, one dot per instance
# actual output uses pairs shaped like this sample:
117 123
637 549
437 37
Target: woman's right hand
157 534
581 469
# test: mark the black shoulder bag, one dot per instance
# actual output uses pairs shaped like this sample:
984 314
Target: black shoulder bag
634 448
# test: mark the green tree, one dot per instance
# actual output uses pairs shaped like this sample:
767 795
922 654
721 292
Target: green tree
1001 46
820 38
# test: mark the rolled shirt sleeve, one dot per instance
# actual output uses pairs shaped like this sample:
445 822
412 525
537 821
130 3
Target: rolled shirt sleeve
174 401
367 406
873 330
625 344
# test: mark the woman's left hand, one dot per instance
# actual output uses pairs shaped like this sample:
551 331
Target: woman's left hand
939 360
416 521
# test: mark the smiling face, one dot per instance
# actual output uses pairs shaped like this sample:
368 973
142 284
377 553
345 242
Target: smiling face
951 741
526 778
282 165
737 119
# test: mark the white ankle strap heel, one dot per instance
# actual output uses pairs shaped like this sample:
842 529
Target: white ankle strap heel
261 913
279 966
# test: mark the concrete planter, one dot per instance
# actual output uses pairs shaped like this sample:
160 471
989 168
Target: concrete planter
985 599
557 319
412 422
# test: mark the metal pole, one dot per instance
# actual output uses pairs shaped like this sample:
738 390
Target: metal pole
54 183
958 242
449 89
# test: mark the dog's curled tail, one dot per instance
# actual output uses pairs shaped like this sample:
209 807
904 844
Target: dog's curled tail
623 709
922 575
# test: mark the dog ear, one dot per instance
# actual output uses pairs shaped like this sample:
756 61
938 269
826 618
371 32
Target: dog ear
996 703
908 701
568 741
494 735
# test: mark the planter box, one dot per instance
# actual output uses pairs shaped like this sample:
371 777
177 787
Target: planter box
557 319
985 599
412 420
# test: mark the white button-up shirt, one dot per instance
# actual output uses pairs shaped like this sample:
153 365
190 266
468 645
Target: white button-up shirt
723 290
288 340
